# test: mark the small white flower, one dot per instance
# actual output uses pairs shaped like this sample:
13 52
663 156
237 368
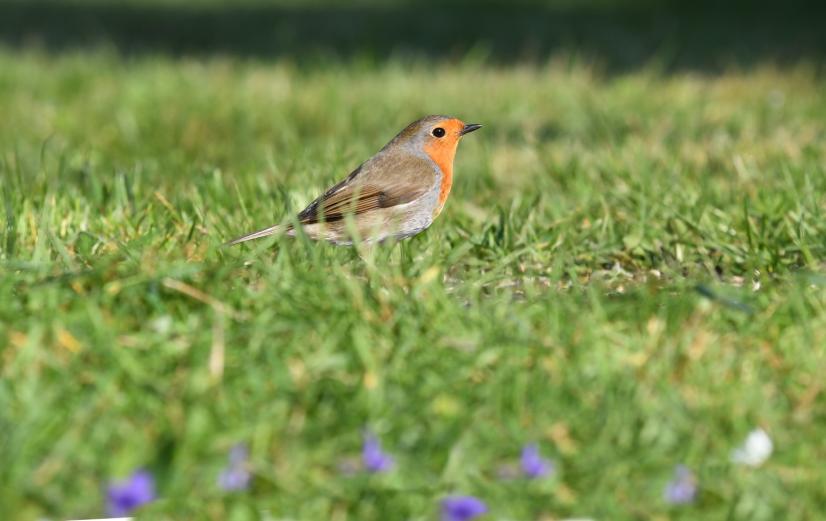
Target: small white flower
755 450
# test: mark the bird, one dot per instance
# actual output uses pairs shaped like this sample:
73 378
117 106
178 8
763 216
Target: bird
394 195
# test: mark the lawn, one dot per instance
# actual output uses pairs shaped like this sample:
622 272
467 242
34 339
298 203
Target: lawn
630 273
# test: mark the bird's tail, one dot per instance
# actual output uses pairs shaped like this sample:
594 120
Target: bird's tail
272 230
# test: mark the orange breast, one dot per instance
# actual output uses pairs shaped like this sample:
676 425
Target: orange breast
442 154
447 183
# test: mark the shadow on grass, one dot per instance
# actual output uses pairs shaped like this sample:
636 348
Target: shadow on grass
618 35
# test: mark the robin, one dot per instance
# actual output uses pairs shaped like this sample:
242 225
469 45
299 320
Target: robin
395 194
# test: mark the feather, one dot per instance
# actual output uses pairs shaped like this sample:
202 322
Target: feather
272 230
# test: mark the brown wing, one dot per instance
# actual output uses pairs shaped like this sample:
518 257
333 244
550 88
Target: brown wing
364 191
355 200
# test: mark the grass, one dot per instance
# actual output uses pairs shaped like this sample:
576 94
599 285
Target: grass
629 272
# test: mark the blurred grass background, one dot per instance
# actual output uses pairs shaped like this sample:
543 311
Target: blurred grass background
629 271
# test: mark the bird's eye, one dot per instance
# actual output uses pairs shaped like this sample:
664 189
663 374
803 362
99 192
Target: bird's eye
438 132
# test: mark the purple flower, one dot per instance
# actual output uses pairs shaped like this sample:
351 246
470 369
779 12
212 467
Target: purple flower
373 458
235 476
682 489
462 508
122 497
534 465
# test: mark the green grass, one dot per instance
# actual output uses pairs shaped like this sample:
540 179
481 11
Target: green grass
630 271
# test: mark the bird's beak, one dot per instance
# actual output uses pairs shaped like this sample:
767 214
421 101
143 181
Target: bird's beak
470 127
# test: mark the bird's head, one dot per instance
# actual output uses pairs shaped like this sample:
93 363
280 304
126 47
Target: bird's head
436 136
